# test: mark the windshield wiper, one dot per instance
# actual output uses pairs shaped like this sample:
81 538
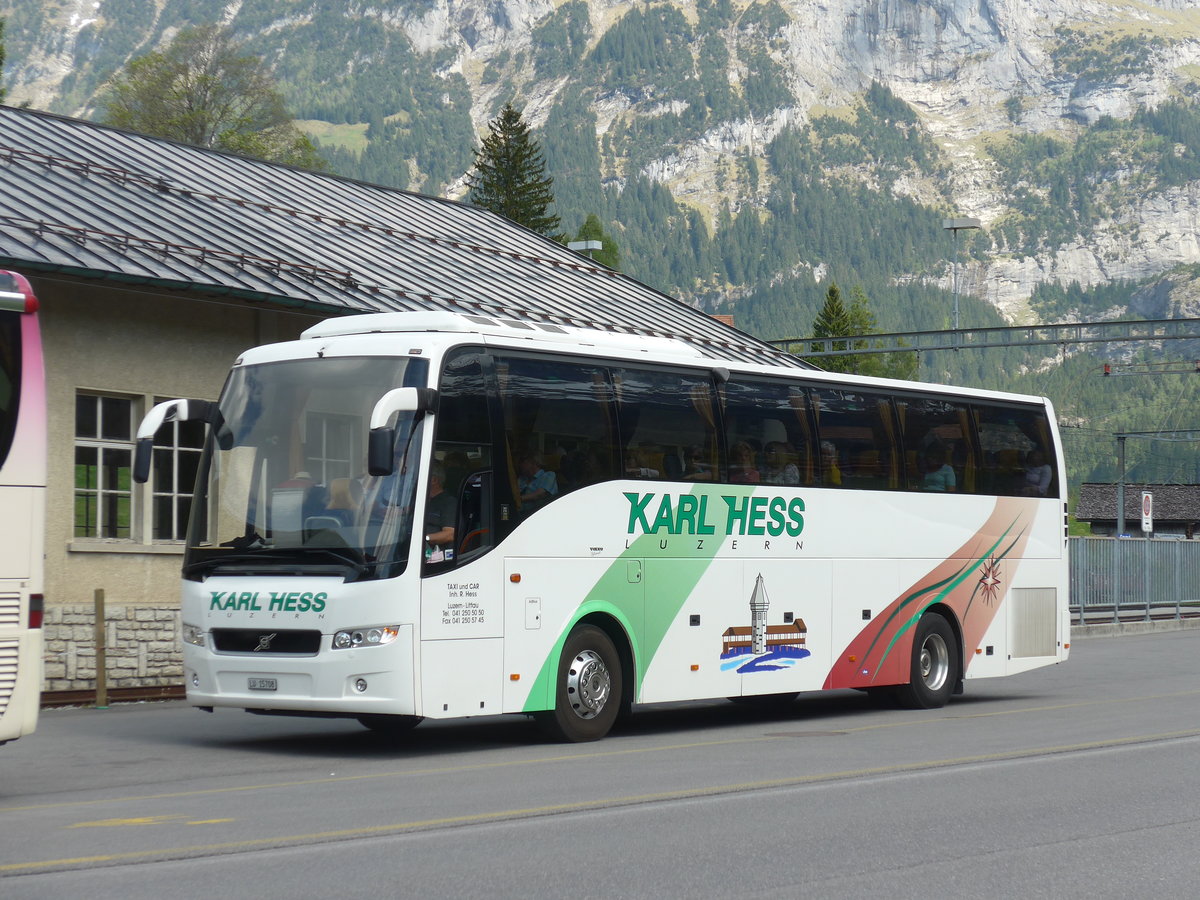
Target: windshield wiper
291 560
251 540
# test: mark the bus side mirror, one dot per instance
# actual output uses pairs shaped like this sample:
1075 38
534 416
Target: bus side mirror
382 440
161 414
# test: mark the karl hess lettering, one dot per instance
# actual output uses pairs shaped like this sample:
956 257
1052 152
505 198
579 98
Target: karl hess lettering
690 514
279 601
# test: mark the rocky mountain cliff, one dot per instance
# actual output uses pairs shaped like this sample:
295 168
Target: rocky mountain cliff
694 97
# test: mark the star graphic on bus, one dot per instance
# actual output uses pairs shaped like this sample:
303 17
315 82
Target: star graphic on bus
989 582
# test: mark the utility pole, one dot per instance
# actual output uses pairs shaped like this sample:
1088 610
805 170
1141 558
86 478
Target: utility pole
955 226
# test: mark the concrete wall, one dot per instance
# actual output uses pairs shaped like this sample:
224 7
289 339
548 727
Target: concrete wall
136 341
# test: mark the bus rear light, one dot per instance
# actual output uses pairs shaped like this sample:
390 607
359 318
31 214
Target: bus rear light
37 610
365 637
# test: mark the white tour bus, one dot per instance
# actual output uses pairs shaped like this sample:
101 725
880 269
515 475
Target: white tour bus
23 506
410 515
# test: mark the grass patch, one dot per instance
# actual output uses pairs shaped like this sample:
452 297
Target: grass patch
349 137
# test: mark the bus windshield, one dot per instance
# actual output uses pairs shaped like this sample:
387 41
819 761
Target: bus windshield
283 484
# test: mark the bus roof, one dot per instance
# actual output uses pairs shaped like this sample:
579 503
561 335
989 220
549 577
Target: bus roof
441 328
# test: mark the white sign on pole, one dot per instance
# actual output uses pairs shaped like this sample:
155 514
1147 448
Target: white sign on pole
1147 512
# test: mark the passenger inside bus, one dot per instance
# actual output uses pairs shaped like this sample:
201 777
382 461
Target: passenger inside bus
831 472
535 485
780 466
695 467
1037 474
742 468
939 476
636 466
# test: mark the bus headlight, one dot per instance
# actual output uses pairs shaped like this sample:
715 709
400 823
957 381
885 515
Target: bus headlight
365 637
193 635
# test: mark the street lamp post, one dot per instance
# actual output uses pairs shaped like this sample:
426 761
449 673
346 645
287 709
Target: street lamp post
957 225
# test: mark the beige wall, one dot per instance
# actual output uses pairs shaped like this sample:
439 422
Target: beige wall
129 341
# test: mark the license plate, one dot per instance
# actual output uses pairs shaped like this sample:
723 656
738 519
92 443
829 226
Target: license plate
262 684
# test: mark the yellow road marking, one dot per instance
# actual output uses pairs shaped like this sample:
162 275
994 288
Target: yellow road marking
581 806
139 820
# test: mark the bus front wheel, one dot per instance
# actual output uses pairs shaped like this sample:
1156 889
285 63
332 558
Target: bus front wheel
934 670
588 689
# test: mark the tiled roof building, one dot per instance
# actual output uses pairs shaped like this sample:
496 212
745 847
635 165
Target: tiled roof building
1176 508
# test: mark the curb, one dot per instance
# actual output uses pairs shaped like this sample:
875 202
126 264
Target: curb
1116 629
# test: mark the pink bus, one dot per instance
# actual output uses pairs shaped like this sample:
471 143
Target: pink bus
23 500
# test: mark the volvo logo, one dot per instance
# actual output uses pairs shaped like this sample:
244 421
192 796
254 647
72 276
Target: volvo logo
264 642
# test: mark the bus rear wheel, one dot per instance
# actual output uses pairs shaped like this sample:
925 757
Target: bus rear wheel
390 725
934 670
588 689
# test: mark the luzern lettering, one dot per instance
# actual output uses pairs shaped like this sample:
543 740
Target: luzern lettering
275 601
690 514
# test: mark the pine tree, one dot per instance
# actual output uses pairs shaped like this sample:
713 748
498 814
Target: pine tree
857 321
833 320
510 178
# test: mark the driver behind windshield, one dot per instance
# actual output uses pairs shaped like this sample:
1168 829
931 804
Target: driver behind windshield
439 513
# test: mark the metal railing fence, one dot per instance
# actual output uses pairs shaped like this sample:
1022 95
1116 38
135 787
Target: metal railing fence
1133 578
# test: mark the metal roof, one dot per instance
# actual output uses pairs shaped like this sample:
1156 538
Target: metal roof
102 203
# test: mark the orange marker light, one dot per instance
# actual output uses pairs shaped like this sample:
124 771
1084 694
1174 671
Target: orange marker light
852 658
515 676
515 577
978 651
695 668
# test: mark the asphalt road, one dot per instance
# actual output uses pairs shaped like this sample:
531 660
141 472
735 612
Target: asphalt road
1076 781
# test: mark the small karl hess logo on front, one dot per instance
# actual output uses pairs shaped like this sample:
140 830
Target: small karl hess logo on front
264 641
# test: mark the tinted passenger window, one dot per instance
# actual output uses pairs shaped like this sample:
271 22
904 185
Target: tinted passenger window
937 449
1015 447
769 428
667 425
858 441
558 428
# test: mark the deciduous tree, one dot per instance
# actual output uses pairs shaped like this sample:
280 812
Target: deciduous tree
204 89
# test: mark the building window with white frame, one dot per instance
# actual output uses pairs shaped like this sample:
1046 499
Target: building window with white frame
177 448
104 430
331 446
